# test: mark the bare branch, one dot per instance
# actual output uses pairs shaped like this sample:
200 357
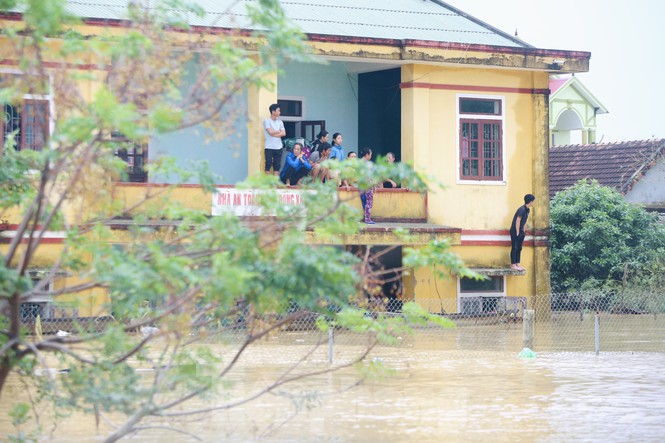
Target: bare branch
44 364
168 428
59 347
270 388
251 339
276 426
12 342
133 351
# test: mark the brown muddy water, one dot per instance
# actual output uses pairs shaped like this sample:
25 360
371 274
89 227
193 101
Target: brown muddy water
431 396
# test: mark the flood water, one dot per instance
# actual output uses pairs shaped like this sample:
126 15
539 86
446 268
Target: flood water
431 396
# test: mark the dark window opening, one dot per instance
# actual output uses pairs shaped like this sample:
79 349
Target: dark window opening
135 155
480 106
307 130
383 285
290 108
310 129
491 284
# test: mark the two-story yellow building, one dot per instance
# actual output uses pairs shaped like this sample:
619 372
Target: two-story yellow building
454 96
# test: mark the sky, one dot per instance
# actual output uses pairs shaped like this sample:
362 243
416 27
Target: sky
626 39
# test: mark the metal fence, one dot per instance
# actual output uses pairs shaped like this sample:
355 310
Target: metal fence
592 321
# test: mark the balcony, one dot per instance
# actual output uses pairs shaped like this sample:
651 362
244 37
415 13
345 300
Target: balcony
393 209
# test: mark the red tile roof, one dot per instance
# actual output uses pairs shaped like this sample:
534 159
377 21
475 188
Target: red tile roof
618 165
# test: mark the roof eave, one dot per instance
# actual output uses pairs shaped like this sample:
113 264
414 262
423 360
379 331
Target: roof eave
642 169
531 58
550 60
505 35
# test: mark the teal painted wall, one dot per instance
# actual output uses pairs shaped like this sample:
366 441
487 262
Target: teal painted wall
330 94
226 156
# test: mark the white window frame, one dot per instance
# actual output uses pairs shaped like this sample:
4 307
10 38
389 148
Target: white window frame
294 98
46 299
501 118
46 97
461 295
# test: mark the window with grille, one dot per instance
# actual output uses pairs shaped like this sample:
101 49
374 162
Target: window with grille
134 154
481 139
481 296
38 305
27 123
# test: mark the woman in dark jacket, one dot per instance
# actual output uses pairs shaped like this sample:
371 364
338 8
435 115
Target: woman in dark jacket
322 137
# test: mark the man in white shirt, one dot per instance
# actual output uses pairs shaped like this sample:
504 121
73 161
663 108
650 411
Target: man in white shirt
274 130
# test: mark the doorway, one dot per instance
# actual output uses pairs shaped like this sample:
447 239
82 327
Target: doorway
307 129
380 112
383 285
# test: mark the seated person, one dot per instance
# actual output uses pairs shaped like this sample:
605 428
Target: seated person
344 182
321 137
337 152
306 151
296 166
317 157
389 182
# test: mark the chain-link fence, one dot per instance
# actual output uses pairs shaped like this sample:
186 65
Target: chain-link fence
628 320
562 322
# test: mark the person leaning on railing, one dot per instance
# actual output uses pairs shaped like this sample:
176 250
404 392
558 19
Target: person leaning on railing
389 183
345 182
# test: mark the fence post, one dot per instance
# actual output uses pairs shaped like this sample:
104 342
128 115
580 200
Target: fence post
528 328
596 323
330 345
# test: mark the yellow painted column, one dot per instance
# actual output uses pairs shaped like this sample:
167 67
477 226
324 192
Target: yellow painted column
415 144
415 119
258 102
541 213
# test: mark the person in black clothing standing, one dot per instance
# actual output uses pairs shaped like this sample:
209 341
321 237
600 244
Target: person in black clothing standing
517 232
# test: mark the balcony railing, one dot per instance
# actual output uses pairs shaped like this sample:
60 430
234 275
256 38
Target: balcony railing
390 205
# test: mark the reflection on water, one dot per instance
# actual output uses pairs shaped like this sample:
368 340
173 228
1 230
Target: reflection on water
434 396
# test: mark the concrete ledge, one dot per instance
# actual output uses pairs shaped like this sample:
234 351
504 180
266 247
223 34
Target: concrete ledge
493 272
385 234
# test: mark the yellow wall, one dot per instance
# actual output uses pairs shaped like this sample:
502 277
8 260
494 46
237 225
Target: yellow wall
88 303
398 204
433 292
429 140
